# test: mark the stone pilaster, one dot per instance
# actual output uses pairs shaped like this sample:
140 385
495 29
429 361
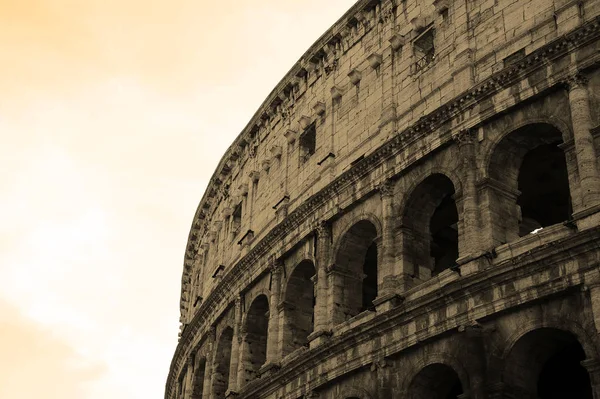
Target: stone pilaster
206 386
390 280
594 291
322 327
463 76
584 144
273 354
468 243
233 387
593 368
474 337
209 376
242 340
189 379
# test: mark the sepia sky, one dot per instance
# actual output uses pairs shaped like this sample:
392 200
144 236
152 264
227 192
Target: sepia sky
113 116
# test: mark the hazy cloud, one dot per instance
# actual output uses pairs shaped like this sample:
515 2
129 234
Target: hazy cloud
35 362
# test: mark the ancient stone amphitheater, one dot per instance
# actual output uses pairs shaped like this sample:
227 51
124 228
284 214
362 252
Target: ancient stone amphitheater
413 212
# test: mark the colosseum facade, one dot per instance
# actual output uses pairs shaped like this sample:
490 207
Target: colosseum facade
413 213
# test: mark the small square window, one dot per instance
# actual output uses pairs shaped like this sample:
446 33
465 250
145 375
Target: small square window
424 49
308 143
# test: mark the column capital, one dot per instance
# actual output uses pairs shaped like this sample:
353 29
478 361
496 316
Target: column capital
323 229
379 364
275 265
465 136
575 81
386 189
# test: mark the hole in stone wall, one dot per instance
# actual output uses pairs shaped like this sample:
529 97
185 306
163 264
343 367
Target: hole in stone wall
308 143
436 381
356 259
529 183
546 364
299 307
236 221
544 187
431 227
257 327
223 362
444 235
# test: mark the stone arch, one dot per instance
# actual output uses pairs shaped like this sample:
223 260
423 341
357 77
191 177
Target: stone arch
562 126
350 222
429 225
545 363
439 376
260 291
405 192
222 363
298 306
356 269
581 333
528 181
354 392
437 358
198 379
255 336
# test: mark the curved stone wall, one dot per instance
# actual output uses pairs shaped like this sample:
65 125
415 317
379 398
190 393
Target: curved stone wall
413 212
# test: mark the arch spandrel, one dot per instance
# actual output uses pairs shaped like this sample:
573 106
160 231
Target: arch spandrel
414 143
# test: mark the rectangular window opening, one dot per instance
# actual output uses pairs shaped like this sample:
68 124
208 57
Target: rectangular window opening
308 143
424 49
236 221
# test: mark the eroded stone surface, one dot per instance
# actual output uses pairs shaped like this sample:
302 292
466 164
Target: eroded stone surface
414 212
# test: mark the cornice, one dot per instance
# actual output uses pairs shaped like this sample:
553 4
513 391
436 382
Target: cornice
424 126
538 259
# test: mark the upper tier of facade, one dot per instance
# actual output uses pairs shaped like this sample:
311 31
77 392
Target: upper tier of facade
386 68
404 115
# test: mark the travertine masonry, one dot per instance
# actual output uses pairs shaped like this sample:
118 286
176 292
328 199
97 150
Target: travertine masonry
413 212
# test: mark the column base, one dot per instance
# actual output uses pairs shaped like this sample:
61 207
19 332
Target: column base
318 337
587 218
268 369
231 394
385 302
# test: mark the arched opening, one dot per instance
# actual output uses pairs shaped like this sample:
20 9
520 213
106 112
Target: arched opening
257 326
222 363
356 262
369 283
529 187
546 364
436 381
430 223
544 187
299 307
198 383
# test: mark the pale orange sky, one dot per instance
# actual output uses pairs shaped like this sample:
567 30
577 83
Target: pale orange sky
113 116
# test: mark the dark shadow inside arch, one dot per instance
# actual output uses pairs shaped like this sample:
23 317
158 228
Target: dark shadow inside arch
544 187
257 331
546 364
530 180
299 306
198 382
436 381
431 224
222 363
357 259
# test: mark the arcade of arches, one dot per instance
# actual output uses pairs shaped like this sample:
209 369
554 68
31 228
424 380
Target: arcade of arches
420 235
